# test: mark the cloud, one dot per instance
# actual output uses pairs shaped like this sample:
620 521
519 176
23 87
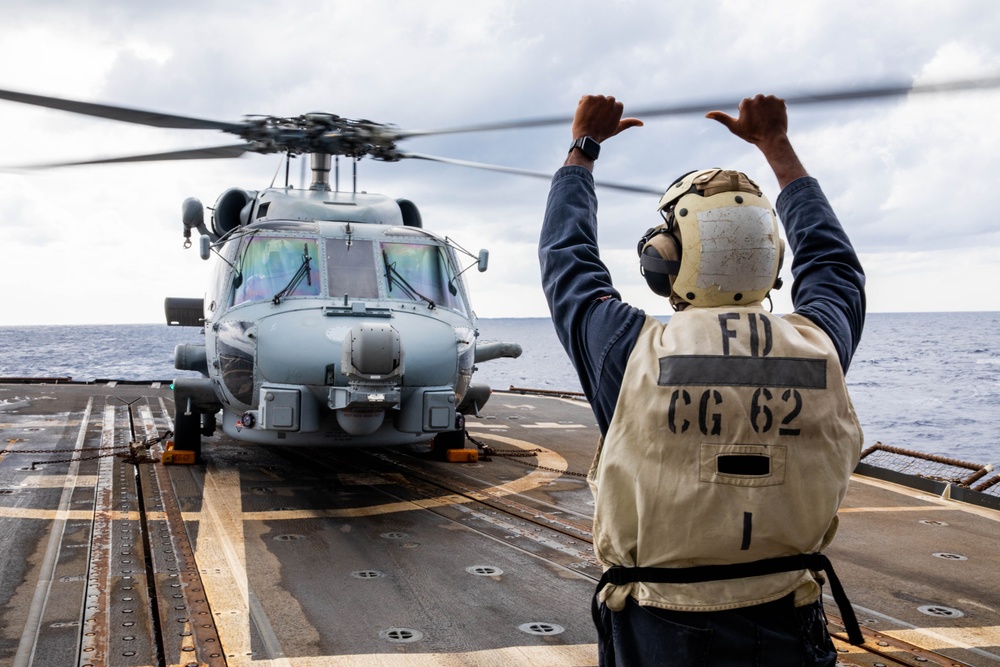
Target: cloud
910 178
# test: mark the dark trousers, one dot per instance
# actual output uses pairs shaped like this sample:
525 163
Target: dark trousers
776 634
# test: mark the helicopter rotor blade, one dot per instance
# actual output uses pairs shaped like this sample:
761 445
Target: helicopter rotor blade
844 95
819 97
334 135
526 172
211 153
124 114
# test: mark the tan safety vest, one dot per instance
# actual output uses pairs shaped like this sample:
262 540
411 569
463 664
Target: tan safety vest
733 441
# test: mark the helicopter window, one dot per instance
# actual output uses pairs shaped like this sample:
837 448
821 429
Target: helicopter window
420 272
271 266
351 268
217 288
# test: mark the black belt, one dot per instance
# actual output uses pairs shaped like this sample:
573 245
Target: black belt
619 575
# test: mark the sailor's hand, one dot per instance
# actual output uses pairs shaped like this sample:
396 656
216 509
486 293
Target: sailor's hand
600 117
763 121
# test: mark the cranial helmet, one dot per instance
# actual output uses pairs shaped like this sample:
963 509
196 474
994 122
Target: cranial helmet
719 243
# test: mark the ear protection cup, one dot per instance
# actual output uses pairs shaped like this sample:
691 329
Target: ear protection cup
659 259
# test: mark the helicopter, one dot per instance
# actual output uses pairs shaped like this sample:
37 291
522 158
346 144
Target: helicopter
335 318
332 318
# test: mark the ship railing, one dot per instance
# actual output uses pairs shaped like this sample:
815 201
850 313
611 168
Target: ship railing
952 478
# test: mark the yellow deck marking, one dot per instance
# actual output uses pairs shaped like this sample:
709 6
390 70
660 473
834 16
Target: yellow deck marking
44 515
69 515
40 424
534 479
968 638
221 541
844 648
226 584
907 508
977 604
374 510
554 656
56 482
552 425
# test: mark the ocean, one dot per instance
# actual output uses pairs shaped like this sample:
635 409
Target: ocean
923 381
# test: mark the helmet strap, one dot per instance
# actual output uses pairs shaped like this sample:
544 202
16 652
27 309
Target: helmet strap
658 265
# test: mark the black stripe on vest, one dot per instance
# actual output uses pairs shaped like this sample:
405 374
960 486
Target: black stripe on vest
714 371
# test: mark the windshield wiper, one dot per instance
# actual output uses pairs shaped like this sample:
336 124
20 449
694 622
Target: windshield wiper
408 289
302 272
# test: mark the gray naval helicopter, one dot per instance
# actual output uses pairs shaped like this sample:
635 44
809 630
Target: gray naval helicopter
331 318
335 318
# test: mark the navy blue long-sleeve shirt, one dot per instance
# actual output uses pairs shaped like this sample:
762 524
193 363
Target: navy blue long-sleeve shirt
599 331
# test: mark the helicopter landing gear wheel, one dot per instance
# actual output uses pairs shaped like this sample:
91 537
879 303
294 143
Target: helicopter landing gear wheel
450 439
208 424
187 432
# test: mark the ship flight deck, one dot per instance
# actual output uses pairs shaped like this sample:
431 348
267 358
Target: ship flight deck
306 556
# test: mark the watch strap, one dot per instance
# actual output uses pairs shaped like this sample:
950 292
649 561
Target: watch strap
588 145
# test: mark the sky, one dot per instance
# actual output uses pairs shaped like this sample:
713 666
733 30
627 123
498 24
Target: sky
911 178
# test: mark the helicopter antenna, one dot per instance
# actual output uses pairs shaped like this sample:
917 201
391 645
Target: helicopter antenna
276 171
222 240
453 243
219 255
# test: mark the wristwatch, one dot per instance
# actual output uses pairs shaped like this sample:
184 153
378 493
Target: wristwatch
589 147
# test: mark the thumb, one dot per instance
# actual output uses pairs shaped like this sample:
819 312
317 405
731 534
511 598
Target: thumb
723 118
626 123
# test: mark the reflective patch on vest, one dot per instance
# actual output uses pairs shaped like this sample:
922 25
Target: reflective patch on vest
742 465
712 370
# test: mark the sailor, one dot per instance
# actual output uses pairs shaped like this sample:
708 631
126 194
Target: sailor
728 436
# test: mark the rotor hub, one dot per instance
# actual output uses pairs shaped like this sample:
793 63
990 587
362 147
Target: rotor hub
321 133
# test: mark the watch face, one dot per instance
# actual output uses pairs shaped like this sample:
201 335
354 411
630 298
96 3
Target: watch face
589 147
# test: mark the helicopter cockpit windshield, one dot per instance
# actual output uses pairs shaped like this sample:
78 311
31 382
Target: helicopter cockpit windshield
420 272
271 267
275 268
